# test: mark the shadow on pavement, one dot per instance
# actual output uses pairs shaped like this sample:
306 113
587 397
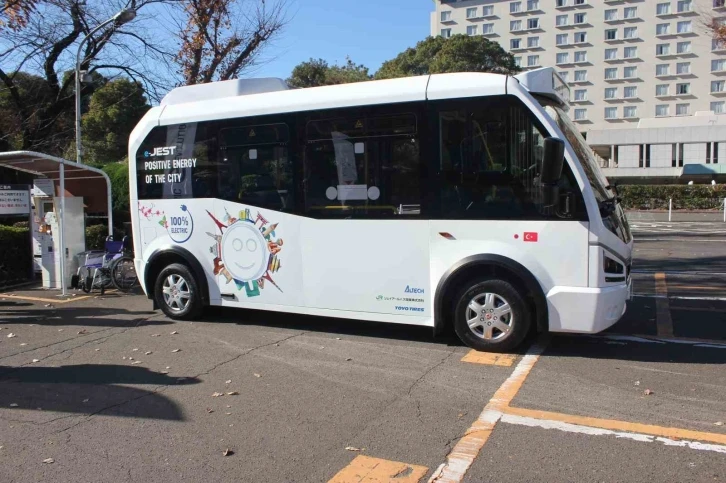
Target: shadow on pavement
593 347
86 316
89 388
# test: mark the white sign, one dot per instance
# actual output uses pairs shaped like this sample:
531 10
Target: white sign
14 202
43 187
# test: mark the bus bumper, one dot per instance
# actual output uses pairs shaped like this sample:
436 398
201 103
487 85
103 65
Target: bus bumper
586 310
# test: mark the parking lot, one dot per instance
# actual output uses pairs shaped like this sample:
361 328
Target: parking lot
105 389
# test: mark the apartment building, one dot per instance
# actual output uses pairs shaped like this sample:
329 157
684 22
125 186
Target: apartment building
636 68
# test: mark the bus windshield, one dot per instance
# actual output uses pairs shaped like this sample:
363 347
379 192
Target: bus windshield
615 220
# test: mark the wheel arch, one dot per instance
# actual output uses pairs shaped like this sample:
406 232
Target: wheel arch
494 265
165 256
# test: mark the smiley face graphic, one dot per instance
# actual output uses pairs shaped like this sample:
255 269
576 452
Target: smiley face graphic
244 251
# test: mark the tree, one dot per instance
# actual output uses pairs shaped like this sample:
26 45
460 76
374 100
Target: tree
41 102
112 114
118 173
14 13
318 73
222 38
459 53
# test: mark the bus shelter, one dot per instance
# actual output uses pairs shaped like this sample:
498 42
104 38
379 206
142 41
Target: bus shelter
67 176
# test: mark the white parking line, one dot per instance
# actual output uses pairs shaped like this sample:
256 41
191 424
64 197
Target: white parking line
576 428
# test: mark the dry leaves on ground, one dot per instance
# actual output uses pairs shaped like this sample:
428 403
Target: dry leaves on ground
49 461
648 392
217 394
353 448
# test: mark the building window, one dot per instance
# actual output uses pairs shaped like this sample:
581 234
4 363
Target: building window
487 10
630 52
561 20
662 49
685 27
611 34
685 6
518 60
661 90
630 32
683 47
718 65
662 69
532 5
611 93
611 54
683 109
487 28
561 3
611 113
663 9
630 12
564 75
718 107
580 18
580 2
580 94
472 12
532 60
532 23
563 58
661 110
471 30
630 111
532 42
663 29
581 56
683 89
611 73
611 15
630 72
683 68
446 33
515 7
446 16
630 92
561 39
580 76
515 44
580 114
580 37
515 25
718 86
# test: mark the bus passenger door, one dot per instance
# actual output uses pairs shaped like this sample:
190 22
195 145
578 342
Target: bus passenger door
365 244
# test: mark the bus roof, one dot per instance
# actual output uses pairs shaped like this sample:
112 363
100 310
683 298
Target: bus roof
231 101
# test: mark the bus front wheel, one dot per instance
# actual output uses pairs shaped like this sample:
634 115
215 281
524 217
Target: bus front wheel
177 292
491 315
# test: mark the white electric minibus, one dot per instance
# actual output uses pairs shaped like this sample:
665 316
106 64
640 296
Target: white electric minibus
461 200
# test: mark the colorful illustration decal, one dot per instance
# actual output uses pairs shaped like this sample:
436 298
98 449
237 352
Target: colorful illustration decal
245 251
179 225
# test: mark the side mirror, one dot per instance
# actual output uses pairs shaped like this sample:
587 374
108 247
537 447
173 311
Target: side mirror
553 161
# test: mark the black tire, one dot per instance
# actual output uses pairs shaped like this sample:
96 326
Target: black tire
190 310
87 284
123 274
488 334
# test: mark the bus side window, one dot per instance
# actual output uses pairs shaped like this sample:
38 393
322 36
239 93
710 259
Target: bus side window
256 168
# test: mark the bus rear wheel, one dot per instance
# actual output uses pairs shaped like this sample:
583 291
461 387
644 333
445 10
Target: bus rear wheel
491 315
177 292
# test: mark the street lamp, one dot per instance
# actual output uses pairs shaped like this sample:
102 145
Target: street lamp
125 15
122 17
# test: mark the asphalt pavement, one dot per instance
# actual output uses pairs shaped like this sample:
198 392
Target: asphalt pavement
105 389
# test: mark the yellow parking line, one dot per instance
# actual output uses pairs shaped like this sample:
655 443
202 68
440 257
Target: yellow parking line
50 301
612 424
468 447
663 319
365 469
489 358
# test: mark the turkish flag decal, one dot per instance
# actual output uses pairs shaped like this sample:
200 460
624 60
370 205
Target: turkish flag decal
530 236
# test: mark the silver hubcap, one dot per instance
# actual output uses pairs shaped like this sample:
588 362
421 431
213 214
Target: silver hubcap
176 293
490 316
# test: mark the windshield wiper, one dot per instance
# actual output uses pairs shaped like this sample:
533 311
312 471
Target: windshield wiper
607 207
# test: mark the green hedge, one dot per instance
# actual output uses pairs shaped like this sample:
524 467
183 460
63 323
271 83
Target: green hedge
96 236
655 197
16 255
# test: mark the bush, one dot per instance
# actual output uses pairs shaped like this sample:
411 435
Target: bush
96 236
119 175
16 256
685 197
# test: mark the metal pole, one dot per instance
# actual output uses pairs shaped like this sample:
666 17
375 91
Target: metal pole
62 223
670 208
724 210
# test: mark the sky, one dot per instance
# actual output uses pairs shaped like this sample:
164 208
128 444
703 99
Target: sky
369 31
